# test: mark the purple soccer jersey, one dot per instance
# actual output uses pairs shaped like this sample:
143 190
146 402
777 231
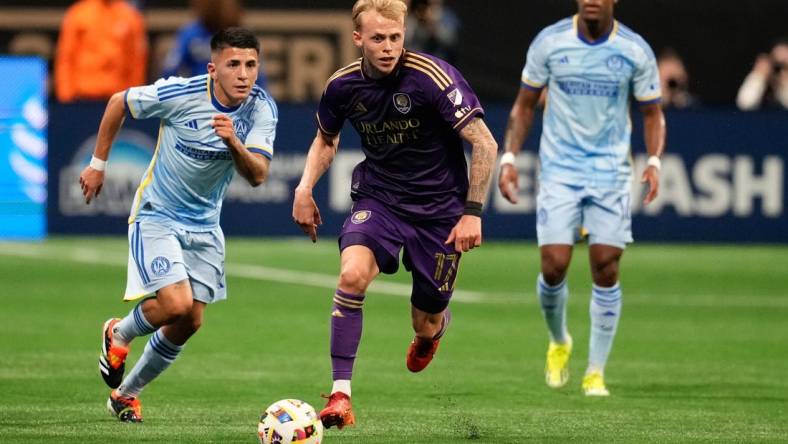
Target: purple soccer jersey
409 124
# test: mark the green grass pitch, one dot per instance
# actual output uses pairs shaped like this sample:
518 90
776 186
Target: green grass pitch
701 353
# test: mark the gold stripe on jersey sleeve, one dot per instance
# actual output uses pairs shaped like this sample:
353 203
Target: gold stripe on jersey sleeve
441 73
320 124
427 72
353 67
148 178
470 113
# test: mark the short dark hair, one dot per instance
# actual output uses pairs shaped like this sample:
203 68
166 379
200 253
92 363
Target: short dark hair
234 37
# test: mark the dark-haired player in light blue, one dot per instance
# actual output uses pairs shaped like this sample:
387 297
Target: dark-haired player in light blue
591 65
211 126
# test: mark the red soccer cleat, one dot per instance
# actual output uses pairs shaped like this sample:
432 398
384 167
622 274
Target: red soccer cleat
338 411
125 409
112 360
420 353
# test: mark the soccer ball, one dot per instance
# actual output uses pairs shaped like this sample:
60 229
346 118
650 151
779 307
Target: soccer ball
290 421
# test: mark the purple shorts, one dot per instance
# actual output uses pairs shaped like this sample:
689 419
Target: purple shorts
433 265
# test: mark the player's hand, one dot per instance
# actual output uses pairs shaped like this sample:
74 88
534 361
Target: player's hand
467 234
223 127
305 213
509 183
763 65
651 176
91 181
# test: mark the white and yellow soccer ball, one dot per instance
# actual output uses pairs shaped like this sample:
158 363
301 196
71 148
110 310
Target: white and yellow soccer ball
290 421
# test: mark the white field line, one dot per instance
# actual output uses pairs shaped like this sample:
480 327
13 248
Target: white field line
247 271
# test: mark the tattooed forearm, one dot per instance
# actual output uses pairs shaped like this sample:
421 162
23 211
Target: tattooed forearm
485 151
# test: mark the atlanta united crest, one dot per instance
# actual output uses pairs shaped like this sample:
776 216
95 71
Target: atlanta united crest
160 266
402 102
359 217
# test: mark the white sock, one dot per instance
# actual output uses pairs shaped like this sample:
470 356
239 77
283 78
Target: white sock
341 385
553 303
605 311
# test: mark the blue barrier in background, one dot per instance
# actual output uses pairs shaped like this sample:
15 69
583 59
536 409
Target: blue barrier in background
723 178
23 148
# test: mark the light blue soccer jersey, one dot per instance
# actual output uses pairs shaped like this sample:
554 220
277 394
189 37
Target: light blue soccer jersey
586 127
191 168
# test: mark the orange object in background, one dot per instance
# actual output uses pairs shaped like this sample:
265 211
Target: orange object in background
102 49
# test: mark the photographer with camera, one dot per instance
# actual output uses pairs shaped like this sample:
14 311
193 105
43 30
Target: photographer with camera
674 80
767 84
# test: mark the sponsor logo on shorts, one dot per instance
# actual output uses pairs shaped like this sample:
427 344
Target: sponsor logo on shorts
359 217
160 266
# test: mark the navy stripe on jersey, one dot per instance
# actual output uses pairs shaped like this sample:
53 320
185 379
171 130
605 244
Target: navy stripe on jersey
198 154
259 151
188 142
561 26
193 82
173 94
632 36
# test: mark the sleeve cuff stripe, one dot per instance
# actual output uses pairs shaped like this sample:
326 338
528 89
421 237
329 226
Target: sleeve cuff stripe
264 151
472 112
649 100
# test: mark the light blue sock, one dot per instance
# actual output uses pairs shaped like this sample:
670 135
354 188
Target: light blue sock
553 302
158 355
605 310
133 325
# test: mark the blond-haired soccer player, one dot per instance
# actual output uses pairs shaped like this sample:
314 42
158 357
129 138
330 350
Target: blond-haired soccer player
211 126
591 65
411 192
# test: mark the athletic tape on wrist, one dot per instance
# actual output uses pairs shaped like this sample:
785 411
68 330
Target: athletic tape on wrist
507 158
655 162
98 164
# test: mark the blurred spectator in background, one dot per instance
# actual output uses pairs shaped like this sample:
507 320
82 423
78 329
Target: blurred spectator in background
102 49
433 28
674 80
767 84
192 50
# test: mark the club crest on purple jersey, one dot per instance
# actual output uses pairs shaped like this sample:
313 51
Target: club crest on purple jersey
402 102
359 217
455 97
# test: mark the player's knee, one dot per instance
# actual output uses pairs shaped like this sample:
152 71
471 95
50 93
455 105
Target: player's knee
605 274
554 270
177 307
354 280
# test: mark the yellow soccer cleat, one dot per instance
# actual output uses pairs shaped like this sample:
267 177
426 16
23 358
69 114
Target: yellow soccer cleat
556 370
594 384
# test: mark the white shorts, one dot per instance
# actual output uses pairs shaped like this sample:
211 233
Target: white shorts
160 256
562 210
